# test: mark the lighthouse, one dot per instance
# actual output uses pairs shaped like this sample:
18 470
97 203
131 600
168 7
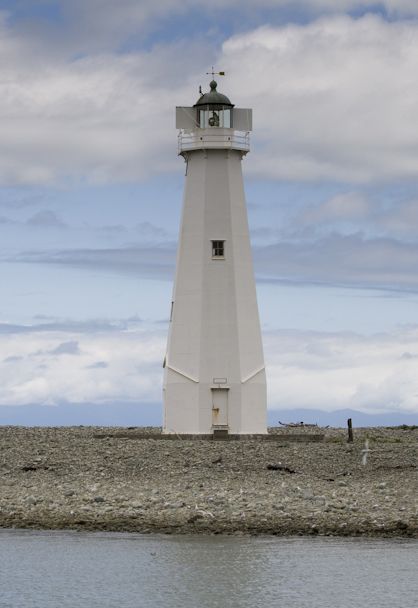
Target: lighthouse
214 376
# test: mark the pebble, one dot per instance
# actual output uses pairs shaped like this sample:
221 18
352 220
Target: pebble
142 486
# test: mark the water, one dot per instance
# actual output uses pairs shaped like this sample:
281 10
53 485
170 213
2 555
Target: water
77 570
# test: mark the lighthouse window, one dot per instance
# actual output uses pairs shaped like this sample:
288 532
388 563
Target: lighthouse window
218 249
215 118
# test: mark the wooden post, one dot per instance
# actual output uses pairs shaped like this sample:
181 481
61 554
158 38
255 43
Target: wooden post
350 431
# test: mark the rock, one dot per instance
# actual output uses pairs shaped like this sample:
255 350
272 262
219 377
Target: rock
280 467
98 499
193 518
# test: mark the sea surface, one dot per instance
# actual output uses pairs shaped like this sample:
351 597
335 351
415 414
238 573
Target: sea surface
77 570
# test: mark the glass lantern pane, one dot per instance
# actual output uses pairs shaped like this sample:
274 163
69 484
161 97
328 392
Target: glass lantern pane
226 119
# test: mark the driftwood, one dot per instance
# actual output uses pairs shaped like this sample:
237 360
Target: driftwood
280 467
297 424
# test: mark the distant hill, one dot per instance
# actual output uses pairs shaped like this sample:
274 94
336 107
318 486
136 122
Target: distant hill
150 414
86 414
339 418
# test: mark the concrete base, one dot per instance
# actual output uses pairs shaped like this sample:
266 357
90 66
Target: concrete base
300 438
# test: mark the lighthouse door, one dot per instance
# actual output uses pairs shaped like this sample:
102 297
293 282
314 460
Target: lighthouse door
220 408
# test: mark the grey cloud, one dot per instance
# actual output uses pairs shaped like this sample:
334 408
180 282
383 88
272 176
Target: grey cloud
97 24
70 326
9 328
351 261
147 261
351 206
66 348
42 219
401 219
150 231
98 365
114 229
45 218
95 116
409 356
12 359
7 221
20 201
319 116
91 117
351 212
147 231
264 233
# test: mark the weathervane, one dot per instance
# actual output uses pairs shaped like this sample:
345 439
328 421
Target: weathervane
215 73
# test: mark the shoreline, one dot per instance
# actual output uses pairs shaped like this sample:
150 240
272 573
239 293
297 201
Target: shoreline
123 480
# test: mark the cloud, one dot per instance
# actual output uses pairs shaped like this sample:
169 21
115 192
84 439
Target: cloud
346 206
340 260
20 200
7 221
333 99
409 356
351 261
98 24
381 215
42 219
91 326
314 370
12 359
400 219
150 261
133 358
45 218
66 348
93 117
98 365
342 370
150 232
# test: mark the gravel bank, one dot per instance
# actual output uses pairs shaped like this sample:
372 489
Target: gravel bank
91 478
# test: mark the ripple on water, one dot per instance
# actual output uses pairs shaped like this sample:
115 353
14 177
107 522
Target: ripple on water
77 570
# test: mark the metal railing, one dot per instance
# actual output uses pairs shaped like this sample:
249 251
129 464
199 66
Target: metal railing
201 140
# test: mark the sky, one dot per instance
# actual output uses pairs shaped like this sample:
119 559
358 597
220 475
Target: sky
91 192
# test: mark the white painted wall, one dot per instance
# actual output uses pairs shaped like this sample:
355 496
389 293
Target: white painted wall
215 330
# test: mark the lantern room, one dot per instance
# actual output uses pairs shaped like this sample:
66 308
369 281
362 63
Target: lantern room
214 109
213 122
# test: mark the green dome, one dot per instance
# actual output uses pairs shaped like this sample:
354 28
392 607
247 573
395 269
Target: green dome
213 98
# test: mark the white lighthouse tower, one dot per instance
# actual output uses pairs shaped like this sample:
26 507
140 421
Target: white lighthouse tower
214 377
